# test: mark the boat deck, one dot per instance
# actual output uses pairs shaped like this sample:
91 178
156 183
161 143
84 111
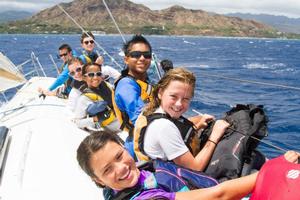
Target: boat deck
41 156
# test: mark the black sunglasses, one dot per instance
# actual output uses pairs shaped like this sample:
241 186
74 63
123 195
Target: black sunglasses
138 54
92 74
87 42
78 69
61 55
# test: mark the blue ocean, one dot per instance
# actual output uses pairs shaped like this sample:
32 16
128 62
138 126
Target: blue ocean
213 60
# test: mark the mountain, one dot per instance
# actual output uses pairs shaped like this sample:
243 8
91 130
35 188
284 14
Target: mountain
11 15
137 18
282 23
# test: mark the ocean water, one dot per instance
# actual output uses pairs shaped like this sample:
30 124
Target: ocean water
271 61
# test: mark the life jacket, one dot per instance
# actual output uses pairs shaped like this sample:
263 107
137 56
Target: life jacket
146 96
236 148
90 57
107 116
166 176
278 179
186 128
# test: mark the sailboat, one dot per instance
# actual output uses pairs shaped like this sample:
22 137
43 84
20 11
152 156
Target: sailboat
38 143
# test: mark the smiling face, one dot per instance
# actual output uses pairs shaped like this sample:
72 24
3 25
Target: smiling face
88 44
75 70
138 66
65 55
114 167
93 76
175 98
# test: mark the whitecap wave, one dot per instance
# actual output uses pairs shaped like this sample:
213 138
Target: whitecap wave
256 66
167 49
188 42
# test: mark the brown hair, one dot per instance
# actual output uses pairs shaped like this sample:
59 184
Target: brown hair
177 74
85 35
90 145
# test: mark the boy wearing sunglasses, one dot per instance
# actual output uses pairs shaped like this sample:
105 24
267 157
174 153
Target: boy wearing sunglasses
87 41
88 44
65 54
132 89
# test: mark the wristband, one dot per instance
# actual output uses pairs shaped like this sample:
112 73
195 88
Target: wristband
212 142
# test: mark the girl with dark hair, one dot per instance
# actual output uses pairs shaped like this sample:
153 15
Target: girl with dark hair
94 108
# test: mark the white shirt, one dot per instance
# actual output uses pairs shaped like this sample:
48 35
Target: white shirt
73 98
163 139
82 121
111 72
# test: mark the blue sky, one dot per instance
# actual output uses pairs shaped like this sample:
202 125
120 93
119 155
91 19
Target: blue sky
290 8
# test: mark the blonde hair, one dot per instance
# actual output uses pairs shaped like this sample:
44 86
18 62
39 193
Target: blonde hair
177 74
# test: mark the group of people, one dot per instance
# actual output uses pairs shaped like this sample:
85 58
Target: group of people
152 116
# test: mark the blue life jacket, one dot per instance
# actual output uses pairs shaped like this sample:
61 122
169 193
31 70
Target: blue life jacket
166 176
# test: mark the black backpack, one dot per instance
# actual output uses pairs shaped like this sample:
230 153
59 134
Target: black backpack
236 149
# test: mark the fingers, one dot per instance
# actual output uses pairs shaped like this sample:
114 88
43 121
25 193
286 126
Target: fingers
219 129
292 156
208 118
99 60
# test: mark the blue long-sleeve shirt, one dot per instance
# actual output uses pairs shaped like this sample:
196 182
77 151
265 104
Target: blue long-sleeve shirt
127 98
61 79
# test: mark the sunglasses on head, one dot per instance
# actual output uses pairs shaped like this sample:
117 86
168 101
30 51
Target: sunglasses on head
93 74
87 42
138 54
78 69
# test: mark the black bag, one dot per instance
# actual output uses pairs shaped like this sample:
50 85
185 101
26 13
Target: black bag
236 146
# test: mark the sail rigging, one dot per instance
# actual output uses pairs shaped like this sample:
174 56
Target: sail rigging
10 76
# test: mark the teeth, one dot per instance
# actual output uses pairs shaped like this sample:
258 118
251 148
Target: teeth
125 175
176 110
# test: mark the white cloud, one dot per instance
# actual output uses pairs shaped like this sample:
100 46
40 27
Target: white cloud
289 8
29 5
277 7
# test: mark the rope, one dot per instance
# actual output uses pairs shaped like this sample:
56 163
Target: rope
32 105
249 81
112 17
98 45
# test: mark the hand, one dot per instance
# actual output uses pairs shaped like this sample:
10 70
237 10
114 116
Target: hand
201 121
292 156
99 60
218 130
95 119
40 90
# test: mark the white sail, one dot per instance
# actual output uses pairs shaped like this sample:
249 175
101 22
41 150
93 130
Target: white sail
10 76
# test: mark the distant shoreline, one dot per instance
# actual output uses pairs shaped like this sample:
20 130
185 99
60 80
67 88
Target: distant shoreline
181 36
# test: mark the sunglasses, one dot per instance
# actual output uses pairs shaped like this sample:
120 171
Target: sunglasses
93 74
87 42
77 70
138 54
62 55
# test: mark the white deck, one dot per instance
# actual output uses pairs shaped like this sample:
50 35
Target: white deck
41 162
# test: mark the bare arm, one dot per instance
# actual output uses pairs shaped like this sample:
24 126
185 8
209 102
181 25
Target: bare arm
228 190
201 160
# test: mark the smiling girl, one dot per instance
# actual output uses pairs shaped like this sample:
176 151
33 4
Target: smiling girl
103 158
94 107
167 135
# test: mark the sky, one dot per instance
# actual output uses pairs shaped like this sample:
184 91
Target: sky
290 8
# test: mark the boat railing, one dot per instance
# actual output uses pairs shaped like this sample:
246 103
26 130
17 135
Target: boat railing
35 69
